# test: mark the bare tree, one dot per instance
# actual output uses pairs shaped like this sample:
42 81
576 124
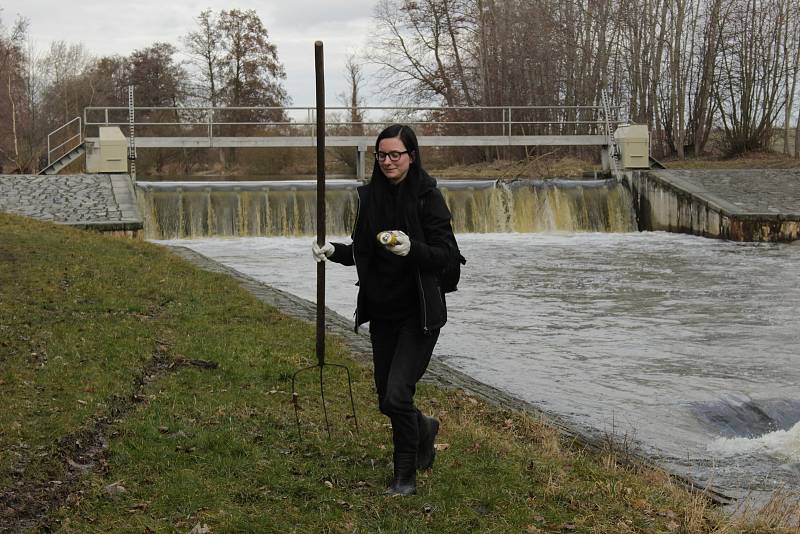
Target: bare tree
752 74
159 79
238 66
791 51
702 106
674 111
681 68
252 74
160 82
693 40
205 48
107 81
585 66
420 51
62 66
353 98
642 49
13 65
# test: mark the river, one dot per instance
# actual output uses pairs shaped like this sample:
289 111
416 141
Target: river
682 348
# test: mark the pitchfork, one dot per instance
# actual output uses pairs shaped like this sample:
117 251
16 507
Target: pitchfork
321 364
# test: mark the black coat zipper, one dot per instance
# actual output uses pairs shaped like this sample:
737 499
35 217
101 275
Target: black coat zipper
353 248
422 303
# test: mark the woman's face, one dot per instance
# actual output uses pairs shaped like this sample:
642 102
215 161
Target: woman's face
395 171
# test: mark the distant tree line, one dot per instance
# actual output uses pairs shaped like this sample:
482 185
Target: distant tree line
690 69
686 68
233 63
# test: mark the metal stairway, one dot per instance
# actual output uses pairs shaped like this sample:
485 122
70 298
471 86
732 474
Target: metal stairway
71 146
655 164
613 148
64 160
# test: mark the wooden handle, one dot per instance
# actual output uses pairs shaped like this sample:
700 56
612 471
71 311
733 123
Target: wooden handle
319 66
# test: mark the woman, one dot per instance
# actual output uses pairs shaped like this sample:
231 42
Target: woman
399 289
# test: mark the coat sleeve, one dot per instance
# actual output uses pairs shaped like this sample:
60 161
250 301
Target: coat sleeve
342 253
439 245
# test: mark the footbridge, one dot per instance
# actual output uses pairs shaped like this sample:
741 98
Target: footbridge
290 127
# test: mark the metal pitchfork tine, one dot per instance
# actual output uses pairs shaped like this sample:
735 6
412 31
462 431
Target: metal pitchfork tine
320 74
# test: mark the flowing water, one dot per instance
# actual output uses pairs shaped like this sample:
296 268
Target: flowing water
683 348
197 209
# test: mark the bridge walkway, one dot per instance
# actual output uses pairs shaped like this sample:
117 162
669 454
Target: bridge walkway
290 127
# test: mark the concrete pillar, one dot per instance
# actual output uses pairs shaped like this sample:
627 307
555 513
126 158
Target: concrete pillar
361 162
605 158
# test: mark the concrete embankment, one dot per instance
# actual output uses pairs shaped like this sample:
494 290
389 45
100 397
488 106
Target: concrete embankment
741 205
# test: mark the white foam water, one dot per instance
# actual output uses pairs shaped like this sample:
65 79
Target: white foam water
784 444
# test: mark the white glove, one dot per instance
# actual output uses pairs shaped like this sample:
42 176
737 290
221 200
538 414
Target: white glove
321 253
403 245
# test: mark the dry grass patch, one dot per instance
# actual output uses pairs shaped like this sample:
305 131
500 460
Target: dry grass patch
549 165
751 160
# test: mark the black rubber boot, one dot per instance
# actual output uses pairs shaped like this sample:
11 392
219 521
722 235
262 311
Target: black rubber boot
426 453
405 475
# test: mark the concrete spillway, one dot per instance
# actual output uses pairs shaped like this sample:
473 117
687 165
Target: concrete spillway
197 209
741 205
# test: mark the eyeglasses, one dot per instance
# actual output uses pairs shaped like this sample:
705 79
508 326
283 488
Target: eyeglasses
394 155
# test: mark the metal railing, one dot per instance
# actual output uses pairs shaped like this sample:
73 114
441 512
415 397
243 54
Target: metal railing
613 149
301 121
72 141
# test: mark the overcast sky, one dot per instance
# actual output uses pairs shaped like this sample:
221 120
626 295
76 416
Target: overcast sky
118 27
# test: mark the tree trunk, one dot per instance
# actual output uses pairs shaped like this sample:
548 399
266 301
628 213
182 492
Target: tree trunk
704 104
797 138
457 56
791 47
677 88
13 120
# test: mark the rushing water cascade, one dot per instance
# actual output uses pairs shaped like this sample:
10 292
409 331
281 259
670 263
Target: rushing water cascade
199 209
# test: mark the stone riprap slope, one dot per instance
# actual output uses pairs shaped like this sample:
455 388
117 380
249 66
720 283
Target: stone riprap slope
98 201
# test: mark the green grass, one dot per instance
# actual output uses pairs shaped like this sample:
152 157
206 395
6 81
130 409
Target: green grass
96 339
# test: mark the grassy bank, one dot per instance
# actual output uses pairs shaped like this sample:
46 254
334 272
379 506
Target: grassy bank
751 160
141 394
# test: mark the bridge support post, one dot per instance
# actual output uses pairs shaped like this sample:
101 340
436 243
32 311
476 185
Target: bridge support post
361 162
605 158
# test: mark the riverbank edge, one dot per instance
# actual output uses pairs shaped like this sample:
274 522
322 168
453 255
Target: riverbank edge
440 374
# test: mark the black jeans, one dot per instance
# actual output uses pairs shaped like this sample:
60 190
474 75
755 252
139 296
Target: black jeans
400 354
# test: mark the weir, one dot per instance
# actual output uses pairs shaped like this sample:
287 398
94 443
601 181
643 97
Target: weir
287 208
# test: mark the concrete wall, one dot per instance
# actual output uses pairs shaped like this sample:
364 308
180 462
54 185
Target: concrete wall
661 205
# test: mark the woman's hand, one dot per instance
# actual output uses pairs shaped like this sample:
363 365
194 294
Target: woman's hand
402 244
321 253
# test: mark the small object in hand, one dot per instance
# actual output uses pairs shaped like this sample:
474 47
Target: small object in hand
388 238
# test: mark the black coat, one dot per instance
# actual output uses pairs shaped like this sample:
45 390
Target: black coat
433 246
